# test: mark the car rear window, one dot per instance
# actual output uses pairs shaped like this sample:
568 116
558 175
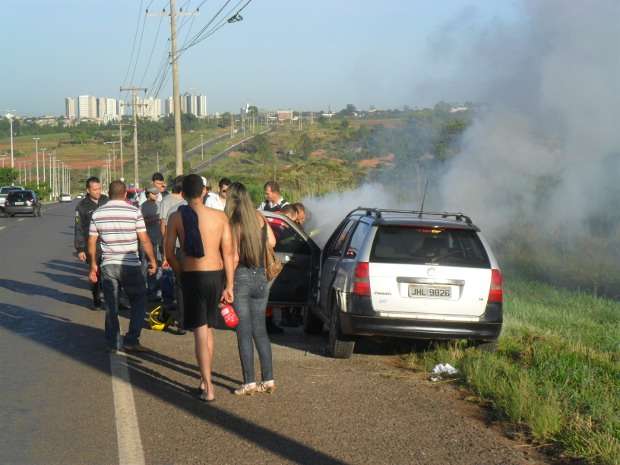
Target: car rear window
19 196
6 190
429 246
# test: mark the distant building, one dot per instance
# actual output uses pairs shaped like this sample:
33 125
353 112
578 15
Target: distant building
458 109
284 115
83 107
70 108
92 107
202 106
168 106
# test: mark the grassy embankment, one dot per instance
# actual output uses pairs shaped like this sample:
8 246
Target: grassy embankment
556 373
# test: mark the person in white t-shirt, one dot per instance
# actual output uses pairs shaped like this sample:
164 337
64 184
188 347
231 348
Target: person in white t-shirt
218 201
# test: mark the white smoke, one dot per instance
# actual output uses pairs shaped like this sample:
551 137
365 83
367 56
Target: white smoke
546 150
325 213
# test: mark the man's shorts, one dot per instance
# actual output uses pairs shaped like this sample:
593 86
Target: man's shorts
202 292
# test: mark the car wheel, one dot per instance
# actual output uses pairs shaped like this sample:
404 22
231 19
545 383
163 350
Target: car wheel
339 345
312 323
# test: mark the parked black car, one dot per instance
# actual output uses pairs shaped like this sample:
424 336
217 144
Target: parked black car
22 202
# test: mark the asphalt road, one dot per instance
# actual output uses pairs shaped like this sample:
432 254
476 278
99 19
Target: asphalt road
66 401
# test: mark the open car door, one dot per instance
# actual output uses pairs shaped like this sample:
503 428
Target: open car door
297 284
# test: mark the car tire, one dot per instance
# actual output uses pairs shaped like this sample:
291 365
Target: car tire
312 323
338 345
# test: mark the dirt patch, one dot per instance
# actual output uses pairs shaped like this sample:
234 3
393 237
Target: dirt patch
377 161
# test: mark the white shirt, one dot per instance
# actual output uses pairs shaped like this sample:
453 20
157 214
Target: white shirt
215 201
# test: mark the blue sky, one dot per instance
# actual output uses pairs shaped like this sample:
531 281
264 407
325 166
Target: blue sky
284 54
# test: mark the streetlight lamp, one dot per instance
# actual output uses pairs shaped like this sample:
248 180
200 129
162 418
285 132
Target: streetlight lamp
36 148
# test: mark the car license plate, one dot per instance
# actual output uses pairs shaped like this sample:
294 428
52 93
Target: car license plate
20 203
436 292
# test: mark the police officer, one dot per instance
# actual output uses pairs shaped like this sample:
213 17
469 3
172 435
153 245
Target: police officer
83 214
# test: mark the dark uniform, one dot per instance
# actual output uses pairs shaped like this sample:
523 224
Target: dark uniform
83 214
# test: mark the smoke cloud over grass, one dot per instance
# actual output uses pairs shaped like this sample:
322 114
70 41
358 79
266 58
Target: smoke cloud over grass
538 166
546 150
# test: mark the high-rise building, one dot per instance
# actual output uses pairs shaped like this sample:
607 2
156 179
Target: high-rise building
70 108
110 109
83 111
92 107
121 108
168 106
202 106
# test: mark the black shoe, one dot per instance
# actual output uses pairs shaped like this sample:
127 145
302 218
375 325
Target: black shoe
272 328
97 305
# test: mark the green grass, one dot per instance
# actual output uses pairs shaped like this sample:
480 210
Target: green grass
556 373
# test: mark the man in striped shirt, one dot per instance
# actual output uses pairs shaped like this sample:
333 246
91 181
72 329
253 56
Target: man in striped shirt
119 228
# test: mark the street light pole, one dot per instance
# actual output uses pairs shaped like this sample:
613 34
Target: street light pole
10 118
43 149
36 149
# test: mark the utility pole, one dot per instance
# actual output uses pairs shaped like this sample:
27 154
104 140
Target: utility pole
134 104
232 126
50 176
36 150
176 97
176 94
114 157
10 117
120 140
202 148
43 149
157 161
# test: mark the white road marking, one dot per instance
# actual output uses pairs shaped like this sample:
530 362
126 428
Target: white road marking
21 219
2 227
130 450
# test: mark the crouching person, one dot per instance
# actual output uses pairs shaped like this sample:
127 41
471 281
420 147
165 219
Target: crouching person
118 227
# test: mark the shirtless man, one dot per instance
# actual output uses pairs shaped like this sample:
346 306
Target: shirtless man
206 269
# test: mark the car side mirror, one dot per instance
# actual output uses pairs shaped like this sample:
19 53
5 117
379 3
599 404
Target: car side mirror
350 253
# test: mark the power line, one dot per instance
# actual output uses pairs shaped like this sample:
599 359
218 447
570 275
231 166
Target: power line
148 64
205 33
139 48
133 46
210 22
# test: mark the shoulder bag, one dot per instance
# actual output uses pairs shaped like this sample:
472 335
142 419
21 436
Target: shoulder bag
273 265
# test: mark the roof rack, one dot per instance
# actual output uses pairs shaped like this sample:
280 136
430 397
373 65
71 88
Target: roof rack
377 212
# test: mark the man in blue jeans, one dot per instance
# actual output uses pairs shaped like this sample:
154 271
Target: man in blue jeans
118 226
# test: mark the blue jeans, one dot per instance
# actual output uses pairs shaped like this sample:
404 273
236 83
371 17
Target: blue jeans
251 294
131 280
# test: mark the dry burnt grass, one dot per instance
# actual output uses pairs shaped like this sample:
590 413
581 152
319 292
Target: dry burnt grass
555 375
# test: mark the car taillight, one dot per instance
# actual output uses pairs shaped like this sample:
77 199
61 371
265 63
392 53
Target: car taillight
361 280
496 293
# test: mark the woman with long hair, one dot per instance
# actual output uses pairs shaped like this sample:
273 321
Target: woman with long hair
251 235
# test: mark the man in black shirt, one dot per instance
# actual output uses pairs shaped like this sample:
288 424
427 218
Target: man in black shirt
83 214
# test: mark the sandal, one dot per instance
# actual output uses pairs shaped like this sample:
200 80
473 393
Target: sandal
268 387
246 390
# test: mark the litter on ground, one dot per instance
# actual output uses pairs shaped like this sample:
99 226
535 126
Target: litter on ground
443 371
